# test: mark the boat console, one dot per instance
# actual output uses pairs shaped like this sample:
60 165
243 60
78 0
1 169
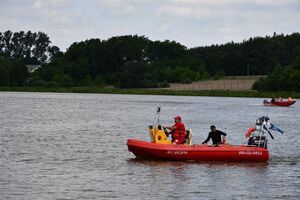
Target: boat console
160 135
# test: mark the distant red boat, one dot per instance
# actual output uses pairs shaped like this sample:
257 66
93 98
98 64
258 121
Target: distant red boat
278 102
223 153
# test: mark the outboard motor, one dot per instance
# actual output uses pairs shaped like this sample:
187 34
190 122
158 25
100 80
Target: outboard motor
259 141
258 138
262 128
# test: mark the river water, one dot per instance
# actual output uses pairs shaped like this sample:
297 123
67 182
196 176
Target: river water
73 146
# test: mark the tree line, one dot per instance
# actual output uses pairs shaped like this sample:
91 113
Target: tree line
137 62
20 48
281 78
29 47
256 56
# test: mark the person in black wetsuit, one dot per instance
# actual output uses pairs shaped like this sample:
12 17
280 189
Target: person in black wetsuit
215 135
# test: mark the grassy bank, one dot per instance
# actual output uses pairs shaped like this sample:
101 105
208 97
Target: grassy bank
152 91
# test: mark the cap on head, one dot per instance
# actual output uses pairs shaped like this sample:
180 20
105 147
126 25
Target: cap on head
177 117
212 126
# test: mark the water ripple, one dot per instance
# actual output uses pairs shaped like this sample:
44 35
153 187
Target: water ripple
73 146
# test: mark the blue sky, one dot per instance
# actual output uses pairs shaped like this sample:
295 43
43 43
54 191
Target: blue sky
191 22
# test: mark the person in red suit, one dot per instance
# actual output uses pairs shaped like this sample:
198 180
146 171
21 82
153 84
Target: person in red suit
177 131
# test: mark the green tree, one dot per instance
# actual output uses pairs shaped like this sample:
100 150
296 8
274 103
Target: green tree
12 72
147 63
135 75
281 79
31 48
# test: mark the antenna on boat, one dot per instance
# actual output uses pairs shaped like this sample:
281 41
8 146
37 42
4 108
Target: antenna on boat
156 119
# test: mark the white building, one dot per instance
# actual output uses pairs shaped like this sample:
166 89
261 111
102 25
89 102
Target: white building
32 68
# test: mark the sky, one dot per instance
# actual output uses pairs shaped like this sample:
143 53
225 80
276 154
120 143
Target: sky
192 23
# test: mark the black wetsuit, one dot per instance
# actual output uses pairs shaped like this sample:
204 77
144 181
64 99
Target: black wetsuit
215 136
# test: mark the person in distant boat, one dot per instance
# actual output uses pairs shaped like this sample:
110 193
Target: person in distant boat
273 100
215 135
290 99
177 131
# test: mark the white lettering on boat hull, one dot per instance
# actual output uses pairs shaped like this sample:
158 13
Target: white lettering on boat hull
177 152
257 153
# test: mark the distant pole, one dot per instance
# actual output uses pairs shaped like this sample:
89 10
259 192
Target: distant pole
248 70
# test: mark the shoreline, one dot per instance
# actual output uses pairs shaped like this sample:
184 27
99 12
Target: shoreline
157 91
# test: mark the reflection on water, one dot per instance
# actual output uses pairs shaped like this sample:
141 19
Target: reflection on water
182 164
73 146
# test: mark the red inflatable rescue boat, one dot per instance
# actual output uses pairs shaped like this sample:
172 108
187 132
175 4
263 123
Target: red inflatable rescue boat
223 153
279 102
161 147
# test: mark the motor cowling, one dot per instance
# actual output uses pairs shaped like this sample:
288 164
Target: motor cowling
259 141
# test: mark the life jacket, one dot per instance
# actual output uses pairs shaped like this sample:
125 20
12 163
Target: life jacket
179 131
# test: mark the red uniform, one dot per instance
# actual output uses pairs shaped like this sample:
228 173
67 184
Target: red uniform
179 133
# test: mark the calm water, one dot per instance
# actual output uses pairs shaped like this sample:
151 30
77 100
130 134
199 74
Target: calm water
73 146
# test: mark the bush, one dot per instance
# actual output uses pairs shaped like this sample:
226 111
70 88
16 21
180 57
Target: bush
12 72
52 84
281 79
35 82
186 80
219 75
66 81
164 84
99 81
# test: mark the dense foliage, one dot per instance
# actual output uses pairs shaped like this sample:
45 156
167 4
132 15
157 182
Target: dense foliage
281 79
126 62
31 48
256 56
135 61
12 72
20 48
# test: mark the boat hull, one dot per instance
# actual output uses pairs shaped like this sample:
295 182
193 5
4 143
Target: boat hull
279 103
222 153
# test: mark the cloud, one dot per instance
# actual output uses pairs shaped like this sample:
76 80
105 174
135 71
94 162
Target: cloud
224 12
215 21
214 8
195 10
121 7
52 4
231 2
190 22
185 12
275 2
